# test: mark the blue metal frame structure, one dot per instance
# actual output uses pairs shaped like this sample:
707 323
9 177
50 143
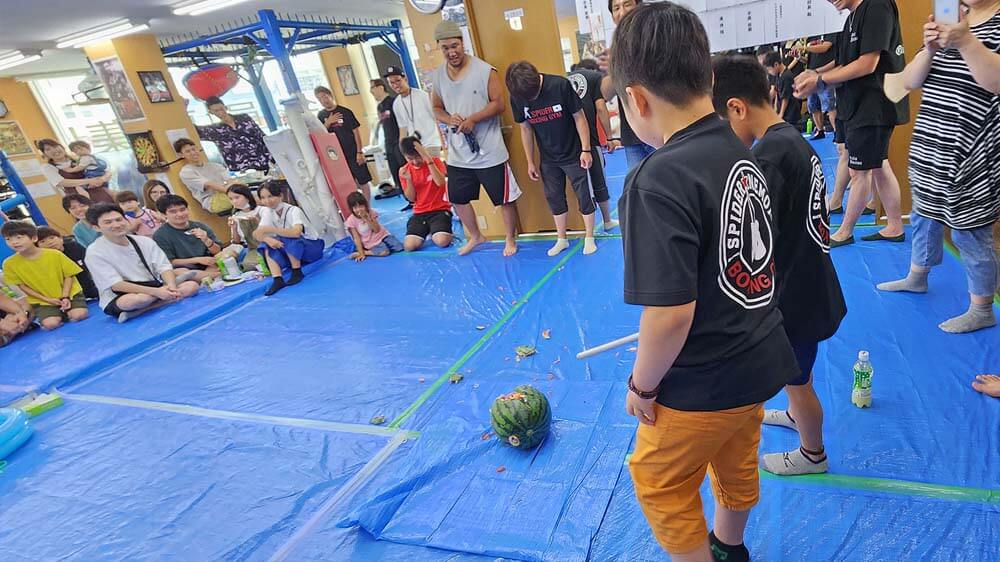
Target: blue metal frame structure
23 196
283 37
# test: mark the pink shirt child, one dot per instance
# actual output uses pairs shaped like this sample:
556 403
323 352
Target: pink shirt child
147 223
369 237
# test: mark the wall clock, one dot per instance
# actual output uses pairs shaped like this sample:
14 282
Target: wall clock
428 6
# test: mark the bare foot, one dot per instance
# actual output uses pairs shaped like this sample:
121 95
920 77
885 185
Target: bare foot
471 245
988 385
509 248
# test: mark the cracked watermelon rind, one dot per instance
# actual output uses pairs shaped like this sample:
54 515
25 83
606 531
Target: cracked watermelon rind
522 418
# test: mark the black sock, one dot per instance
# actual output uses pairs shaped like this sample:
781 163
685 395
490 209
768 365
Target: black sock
722 552
276 285
296 276
820 455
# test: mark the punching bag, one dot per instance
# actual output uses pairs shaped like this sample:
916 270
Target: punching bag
212 80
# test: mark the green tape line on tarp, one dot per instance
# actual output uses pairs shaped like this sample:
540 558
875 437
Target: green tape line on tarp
486 337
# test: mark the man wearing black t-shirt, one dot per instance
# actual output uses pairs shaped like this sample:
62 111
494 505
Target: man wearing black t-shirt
586 83
699 257
550 112
809 294
341 121
390 129
635 149
870 47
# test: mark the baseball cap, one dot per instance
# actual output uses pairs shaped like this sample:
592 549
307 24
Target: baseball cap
447 29
393 71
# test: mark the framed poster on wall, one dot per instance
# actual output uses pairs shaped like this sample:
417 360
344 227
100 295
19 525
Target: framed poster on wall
347 81
12 139
156 86
123 99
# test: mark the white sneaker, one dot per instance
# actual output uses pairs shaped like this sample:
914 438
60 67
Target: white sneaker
779 418
793 463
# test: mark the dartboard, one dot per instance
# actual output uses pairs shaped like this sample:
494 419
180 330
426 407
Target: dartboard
147 155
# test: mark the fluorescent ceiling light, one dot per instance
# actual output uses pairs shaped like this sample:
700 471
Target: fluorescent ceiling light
17 58
205 6
105 32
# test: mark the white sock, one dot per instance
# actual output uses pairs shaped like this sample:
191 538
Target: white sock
589 246
793 463
608 225
779 418
560 245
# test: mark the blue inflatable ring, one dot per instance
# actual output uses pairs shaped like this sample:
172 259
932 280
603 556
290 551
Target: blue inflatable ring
15 429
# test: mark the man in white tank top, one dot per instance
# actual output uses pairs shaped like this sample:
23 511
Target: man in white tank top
468 98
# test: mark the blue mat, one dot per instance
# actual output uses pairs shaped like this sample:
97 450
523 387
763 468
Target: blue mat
349 343
78 350
101 482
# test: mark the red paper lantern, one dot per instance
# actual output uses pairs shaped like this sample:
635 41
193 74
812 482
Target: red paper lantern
211 80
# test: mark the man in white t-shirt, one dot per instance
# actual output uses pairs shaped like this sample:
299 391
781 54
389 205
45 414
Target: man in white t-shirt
132 273
413 111
207 181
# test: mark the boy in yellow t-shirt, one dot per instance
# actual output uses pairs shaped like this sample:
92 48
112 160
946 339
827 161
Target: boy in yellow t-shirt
47 276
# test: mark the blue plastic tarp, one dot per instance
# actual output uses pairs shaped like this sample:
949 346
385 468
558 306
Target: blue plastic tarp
40 360
101 482
350 343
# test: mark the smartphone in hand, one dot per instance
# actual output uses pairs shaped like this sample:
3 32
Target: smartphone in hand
946 11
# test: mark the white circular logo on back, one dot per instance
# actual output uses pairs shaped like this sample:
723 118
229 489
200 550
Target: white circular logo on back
579 83
746 241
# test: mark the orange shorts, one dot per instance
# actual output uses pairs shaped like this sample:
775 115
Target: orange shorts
670 461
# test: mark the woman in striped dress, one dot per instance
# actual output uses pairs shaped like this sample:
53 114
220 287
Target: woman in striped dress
955 157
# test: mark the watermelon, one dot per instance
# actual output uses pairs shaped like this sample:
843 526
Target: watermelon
522 418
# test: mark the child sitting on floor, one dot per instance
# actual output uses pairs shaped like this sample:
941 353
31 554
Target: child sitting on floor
423 181
141 220
47 276
287 239
52 239
370 237
76 205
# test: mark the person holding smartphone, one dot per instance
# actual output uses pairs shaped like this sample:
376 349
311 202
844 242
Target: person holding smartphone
953 156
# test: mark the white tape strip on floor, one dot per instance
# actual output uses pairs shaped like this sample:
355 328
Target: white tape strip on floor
15 388
185 409
342 495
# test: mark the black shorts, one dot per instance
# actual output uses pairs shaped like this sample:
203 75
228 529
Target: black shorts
805 356
112 308
360 172
838 134
554 182
598 183
463 185
867 147
428 224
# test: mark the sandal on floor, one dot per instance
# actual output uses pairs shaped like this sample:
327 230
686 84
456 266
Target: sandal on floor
877 237
838 243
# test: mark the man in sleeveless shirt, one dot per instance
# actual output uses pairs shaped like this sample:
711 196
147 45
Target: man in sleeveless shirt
468 99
